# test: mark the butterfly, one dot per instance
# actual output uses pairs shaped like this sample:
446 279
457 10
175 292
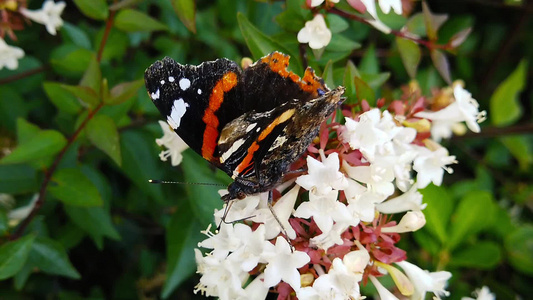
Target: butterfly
252 123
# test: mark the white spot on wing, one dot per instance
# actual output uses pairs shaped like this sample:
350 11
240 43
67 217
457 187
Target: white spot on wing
170 79
179 108
162 82
250 127
280 140
199 91
184 83
236 145
155 95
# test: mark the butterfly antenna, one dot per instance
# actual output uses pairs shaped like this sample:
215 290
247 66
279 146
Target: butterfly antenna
156 181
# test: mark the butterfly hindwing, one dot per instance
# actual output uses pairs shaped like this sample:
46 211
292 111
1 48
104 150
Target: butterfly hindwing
191 98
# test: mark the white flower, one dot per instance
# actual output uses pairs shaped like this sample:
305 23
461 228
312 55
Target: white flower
411 221
283 264
323 176
256 289
384 294
283 210
378 179
9 55
481 294
325 210
18 214
365 134
315 32
386 6
430 166
220 277
174 144
338 284
371 9
411 200
356 261
463 109
239 209
315 3
228 239
425 281
49 15
252 248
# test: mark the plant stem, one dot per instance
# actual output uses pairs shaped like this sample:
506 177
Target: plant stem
50 172
405 35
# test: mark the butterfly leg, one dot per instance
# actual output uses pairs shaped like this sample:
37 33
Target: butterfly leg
271 207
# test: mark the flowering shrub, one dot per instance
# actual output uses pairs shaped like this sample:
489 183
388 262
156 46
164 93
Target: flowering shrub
342 234
412 189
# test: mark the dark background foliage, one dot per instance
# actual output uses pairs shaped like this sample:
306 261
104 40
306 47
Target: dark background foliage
133 239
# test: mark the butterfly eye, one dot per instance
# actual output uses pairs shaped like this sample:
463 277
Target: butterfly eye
320 92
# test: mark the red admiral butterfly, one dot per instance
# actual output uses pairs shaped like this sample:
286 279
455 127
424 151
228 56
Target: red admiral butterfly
252 124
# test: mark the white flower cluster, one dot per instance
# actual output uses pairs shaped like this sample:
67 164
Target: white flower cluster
247 260
49 15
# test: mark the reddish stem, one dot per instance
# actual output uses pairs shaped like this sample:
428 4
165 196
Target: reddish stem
405 35
48 173
108 25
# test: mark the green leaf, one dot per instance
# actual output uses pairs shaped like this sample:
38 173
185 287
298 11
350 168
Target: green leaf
26 131
364 92
519 246
369 63
116 46
505 108
260 44
43 144
94 9
92 77
186 11
438 211
340 43
130 20
474 213
76 35
196 169
84 93
481 255
74 188
69 60
4 222
61 98
50 257
103 133
12 107
15 179
124 91
336 23
327 75
521 148
13 256
410 54
416 25
432 21
182 236
96 221
141 160
440 61
350 72
375 81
